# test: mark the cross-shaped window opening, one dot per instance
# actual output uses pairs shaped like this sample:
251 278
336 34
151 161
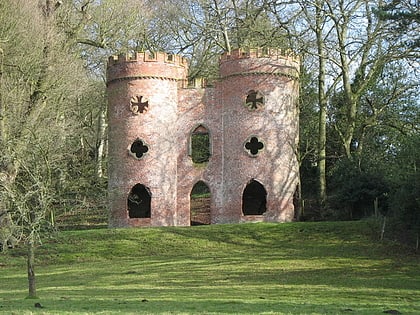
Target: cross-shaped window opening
139 148
139 104
254 145
254 100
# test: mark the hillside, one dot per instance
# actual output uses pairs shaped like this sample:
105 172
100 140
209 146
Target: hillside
293 268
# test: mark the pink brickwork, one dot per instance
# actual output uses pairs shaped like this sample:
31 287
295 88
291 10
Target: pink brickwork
149 102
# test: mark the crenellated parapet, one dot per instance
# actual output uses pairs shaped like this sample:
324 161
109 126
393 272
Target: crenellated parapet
272 53
259 61
149 57
147 65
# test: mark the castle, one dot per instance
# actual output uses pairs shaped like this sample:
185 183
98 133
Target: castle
238 137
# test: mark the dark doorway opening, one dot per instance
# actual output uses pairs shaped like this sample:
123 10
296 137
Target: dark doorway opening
254 199
200 204
139 201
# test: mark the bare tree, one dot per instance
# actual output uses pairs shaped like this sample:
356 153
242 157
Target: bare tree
40 82
351 47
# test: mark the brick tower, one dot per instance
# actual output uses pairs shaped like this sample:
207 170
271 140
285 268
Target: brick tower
143 100
259 91
249 121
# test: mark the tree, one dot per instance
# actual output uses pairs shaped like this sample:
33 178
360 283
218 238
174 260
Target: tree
320 20
203 29
384 157
405 200
314 18
40 84
307 153
404 18
352 49
364 49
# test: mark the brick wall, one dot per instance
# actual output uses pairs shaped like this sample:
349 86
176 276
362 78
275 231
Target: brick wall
174 111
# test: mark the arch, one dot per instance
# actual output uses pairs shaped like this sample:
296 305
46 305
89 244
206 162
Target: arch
254 198
139 202
199 150
200 197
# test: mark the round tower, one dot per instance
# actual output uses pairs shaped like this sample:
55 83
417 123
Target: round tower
142 113
259 95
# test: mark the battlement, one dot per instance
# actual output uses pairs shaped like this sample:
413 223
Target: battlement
161 57
147 65
272 53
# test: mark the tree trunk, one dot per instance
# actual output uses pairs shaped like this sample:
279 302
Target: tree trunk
383 228
350 125
2 110
224 29
31 269
101 133
300 202
322 103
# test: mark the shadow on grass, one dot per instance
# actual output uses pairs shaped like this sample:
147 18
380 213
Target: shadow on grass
299 240
226 269
258 305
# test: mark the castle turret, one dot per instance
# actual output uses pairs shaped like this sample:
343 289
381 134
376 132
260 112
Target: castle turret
259 93
238 138
142 111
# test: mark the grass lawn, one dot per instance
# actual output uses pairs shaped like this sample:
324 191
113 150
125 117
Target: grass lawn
290 268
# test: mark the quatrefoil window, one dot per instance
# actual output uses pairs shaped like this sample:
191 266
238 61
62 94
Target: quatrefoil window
139 104
139 148
254 146
254 100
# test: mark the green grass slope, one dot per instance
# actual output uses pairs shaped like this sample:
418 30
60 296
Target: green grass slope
291 268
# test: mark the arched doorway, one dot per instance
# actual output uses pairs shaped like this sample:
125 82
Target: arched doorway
200 204
138 202
254 198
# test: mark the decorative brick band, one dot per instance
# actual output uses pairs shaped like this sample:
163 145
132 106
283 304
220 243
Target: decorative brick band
241 74
141 77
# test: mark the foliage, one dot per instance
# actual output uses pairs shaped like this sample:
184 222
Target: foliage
291 268
366 74
200 147
200 190
355 191
405 202
405 20
406 209
308 129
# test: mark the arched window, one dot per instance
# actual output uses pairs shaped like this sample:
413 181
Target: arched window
138 202
254 199
200 145
200 204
